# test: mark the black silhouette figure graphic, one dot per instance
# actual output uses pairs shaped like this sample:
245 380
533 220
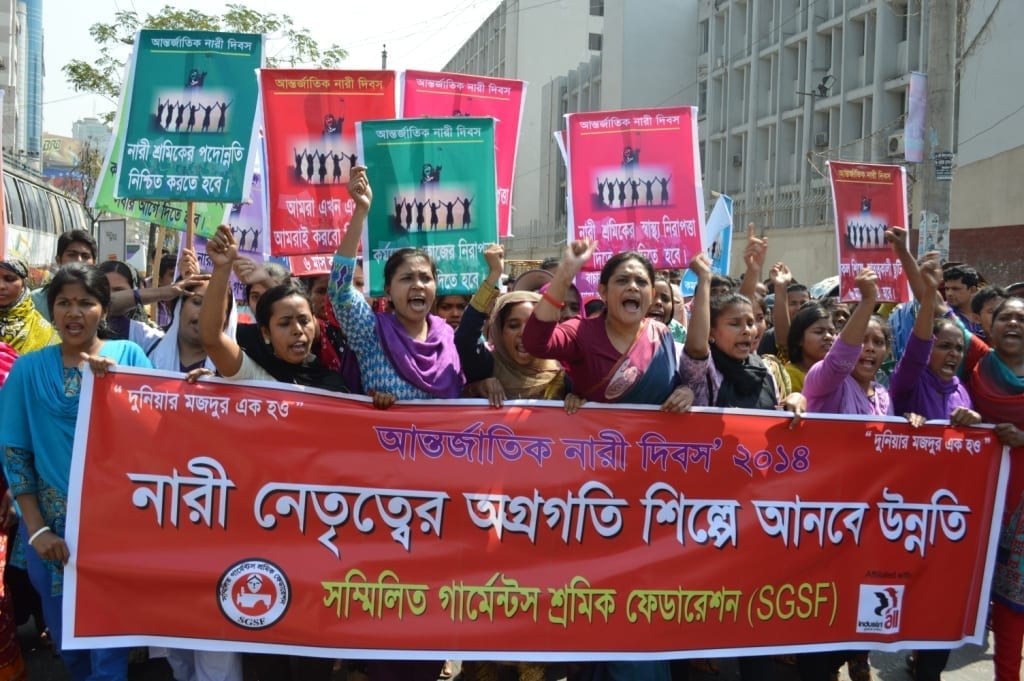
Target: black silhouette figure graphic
663 181
309 166
352 158
399 204
170 114
465 211
195 78
449 214
336 167
433 214
408 215
160 106
420 219
208 109
223 114
298 161
192 108
241 239
600 189
635 194
622 192
322 166
611 192
180 118
649 193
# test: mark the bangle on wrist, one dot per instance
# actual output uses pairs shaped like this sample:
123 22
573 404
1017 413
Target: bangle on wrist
35 535
557 303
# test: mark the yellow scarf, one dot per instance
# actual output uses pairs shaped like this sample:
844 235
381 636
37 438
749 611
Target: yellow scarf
23 328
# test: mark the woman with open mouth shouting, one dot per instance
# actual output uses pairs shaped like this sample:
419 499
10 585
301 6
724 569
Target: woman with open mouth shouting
39 403
620 356
995 378
407 353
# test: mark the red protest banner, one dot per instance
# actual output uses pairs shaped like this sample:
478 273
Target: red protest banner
868 199
454 94
634 184
262 517
310 118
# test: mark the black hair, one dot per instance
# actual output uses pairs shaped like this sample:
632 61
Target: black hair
549 264
75 236
808 315
400 256
720 303
661 275
965 273
168 263
619 258
723 280
88 276
986 294
124 269
594 306
796 287
276 273
272 295
999 308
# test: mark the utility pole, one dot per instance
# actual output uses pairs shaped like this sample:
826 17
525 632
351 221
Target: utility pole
937 184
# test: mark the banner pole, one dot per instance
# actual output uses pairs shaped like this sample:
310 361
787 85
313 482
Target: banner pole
154 272
190 227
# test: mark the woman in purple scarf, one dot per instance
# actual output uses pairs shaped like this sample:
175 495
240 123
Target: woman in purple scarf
407 353
925 382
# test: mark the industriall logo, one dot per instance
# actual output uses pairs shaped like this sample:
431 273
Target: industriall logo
253 593
879 609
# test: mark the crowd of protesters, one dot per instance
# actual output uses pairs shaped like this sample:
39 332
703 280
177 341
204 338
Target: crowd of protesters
954 353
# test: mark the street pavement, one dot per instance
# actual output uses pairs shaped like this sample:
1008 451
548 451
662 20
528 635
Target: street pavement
970 663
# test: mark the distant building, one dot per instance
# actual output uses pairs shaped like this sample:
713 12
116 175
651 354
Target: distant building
33 81
93 132
532 41
11 36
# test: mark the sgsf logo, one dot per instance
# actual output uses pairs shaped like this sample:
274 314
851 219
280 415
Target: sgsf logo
879 608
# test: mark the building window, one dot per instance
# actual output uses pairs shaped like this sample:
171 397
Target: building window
595 42
597 8
703 36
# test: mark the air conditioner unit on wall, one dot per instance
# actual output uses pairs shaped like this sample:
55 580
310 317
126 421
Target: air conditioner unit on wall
896 144
737 160
821 139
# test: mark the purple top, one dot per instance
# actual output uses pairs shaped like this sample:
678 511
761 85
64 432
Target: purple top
830 389
916 388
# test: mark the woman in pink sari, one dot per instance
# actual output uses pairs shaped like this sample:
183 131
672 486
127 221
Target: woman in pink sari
995 378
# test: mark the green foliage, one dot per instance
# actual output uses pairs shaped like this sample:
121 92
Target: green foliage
101 75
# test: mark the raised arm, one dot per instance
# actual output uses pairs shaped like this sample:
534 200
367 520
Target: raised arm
781 279
753 257
576 254
699 329
361 193
857 326
897 238
221 348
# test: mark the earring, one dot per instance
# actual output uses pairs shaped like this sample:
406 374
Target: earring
710 340
266 340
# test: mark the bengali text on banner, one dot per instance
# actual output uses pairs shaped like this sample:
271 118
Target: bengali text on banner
440 529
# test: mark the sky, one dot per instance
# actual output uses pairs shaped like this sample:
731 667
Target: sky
421 34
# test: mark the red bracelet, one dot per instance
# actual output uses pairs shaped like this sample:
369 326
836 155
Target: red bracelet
557 303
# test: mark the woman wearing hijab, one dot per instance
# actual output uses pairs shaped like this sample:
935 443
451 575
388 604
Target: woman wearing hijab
22 326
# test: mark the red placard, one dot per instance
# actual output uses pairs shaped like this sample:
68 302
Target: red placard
310 118
454 94
634 184
867 200
262 517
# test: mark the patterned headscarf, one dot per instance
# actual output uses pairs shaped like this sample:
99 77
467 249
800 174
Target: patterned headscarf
21 325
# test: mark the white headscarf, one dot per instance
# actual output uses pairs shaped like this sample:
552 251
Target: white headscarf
164 354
